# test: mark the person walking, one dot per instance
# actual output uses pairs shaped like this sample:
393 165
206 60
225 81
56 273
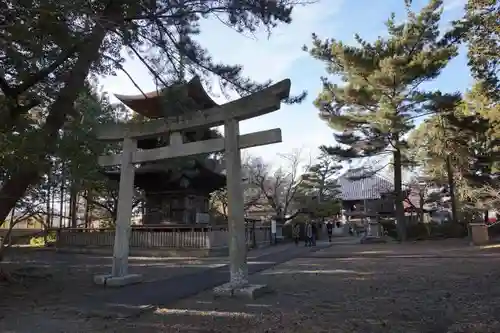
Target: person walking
314 228
329 230
309 234
296 233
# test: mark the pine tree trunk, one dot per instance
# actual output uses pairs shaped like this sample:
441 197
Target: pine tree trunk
62 194
421 206
88 205
73 201
398 195
49 191
53 196
29 173
52 209
451 186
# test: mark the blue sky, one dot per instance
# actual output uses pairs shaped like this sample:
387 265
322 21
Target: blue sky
280 56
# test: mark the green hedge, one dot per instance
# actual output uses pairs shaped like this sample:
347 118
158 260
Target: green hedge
421 231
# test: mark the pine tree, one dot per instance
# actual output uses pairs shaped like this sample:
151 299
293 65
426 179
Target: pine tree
479 30
382 89
318 192
476 128
471 141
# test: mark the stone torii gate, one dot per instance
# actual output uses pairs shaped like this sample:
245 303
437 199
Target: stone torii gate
229 115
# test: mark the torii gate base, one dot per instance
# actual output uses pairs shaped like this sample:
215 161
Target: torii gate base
229 115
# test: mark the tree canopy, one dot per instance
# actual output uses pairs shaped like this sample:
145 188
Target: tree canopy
48 48
318 192
381 91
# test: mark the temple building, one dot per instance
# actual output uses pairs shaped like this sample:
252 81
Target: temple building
176 191
361 196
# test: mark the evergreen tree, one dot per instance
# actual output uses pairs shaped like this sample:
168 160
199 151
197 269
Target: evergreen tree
318 192
48 48
471 141
382 89
479 30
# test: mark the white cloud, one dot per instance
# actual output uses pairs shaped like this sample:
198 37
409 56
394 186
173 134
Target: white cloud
266 58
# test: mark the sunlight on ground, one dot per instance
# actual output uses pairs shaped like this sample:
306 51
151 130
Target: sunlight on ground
153 258
319 271
204 302
261 262
258 305
490 246
187 312
177 265
250 305
374 252
349 259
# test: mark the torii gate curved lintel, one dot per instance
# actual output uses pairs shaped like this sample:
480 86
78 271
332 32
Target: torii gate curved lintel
254 105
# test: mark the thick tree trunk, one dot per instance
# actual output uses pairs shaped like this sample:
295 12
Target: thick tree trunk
62 196
398 195
49 192
29 173
52 208
88 208
421 195
451 186
73 206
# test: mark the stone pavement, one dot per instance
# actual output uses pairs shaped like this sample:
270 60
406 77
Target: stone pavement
133 299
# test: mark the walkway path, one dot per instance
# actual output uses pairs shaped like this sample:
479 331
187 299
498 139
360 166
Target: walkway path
130 300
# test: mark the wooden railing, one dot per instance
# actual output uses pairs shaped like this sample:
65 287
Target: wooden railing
160 237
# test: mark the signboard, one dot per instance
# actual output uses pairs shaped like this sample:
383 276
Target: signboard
273 226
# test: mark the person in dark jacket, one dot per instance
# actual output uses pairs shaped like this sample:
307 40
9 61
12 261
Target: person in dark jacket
314 234
308 234
329 230
296 233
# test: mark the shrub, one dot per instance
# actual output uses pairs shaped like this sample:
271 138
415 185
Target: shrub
420 231
389 228
39 241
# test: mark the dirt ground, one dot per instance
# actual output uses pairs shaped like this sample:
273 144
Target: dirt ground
426 287
45 274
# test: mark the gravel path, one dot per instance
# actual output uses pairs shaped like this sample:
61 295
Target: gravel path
429 287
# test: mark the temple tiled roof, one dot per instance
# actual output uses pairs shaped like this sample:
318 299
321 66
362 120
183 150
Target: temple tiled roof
151 105
365 188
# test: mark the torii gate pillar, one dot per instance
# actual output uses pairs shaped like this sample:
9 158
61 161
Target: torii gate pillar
236 218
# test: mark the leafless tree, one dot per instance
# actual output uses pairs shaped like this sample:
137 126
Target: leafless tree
252 195
277 187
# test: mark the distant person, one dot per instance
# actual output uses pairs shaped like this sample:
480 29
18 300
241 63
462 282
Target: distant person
329 230
314 228
296 233
309 234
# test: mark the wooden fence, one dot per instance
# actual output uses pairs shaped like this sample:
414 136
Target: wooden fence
182 237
